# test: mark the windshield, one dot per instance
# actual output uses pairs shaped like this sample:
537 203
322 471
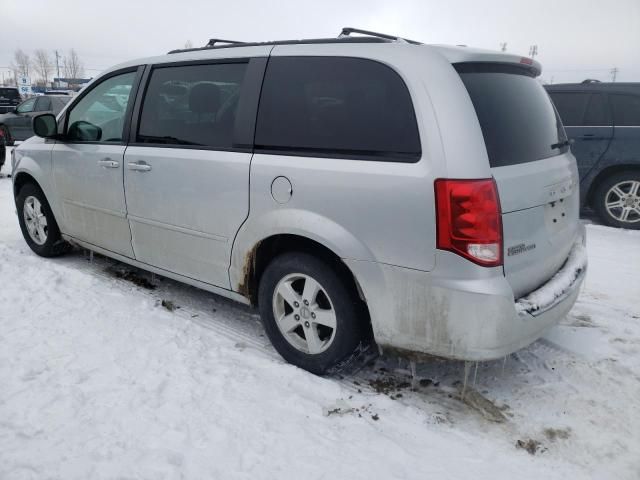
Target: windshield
518 120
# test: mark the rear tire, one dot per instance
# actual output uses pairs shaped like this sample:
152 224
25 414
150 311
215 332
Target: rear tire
38 225
312 316
617 200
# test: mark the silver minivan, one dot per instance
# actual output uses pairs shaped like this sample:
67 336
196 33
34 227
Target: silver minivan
363 190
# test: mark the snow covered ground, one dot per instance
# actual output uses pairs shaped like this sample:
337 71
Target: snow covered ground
99 380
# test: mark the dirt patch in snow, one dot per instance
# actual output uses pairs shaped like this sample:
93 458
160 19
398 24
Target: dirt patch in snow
531 446
133 277
394 385
169 305
342 408
485 407
557 433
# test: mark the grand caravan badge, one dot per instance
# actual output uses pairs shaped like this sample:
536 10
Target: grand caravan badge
520 248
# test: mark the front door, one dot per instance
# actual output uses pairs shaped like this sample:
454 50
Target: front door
88 165
186 180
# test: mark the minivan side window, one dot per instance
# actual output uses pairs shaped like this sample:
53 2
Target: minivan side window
626 110
336 107
192 105
100 114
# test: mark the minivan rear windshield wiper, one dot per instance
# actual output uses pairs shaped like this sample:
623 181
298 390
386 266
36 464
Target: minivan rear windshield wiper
165 139
564 143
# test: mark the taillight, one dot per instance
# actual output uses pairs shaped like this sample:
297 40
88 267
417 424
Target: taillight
468 219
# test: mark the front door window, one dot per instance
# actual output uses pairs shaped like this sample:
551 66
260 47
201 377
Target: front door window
100 115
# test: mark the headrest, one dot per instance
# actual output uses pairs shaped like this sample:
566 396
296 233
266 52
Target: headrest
204 98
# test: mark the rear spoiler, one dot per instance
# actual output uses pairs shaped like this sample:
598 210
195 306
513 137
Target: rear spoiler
463 55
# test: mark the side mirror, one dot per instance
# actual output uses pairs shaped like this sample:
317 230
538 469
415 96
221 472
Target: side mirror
45 125
84 132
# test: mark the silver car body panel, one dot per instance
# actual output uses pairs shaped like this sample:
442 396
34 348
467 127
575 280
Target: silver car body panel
198 215
193 220
91 196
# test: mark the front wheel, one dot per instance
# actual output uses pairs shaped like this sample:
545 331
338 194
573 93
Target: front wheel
312 316
617 200
38 225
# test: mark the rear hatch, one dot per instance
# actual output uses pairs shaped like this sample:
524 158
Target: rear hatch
9 99
535 173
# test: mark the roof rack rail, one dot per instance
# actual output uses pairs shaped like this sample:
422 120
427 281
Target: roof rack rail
213 41
347 31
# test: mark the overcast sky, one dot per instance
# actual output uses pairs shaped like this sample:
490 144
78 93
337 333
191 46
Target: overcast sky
576 39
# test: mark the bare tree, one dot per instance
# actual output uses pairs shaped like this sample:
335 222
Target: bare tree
72 65
21 64
43 65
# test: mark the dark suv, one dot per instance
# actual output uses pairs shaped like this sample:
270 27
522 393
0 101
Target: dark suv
603 120
9 99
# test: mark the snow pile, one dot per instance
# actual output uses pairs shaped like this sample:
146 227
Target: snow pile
559 284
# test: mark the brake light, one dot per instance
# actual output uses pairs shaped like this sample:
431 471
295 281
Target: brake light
468 219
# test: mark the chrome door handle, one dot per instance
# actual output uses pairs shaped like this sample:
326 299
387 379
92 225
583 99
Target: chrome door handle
108 163
139 167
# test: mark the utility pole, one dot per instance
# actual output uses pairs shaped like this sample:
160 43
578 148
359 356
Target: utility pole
533 51
58 65
503 46
614 73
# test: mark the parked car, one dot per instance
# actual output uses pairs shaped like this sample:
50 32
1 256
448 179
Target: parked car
9 99
357 190
16 124
603 121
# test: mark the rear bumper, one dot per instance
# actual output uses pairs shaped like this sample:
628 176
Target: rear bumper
470 319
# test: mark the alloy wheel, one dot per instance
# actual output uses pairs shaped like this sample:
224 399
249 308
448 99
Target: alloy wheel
304 313
622 201
35 220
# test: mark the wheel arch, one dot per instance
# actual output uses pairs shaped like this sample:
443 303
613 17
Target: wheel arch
22 178
258 257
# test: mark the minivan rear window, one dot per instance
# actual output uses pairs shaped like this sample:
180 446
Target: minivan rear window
336 107
10 93
517 118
